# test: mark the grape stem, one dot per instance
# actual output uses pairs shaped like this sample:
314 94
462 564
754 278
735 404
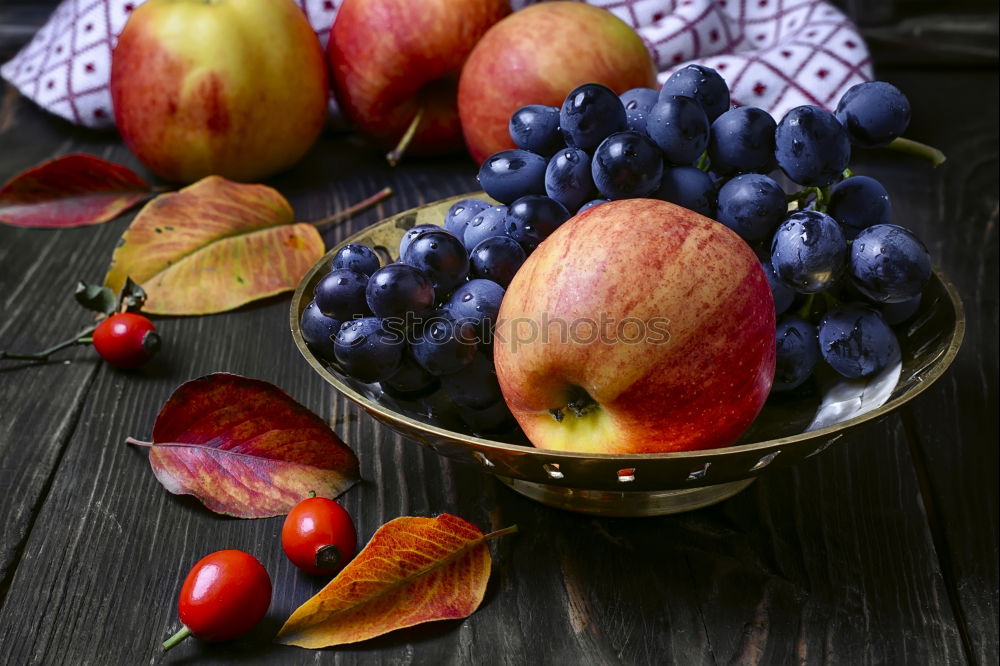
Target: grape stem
396 154
703 162
81 338
930 153
378 197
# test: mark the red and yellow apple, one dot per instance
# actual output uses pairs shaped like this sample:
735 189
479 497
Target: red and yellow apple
389 58
638 326
236 88
537 56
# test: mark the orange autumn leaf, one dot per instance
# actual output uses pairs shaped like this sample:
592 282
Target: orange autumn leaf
214 246
413 570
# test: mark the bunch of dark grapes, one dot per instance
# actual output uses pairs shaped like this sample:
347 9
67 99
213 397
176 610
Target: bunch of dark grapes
832 236
422 326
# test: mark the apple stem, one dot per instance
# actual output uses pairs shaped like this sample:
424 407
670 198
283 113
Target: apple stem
396 154
81 338
378 197
904 145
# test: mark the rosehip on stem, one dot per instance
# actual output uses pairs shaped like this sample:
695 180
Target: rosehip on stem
126 340
224 596
318 536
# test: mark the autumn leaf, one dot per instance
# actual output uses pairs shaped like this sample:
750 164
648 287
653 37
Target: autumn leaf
245 448
413 570
70 191
214 246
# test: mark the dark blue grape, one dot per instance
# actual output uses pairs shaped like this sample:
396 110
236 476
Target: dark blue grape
642 99
441 257
889 264
689 187
812 146
635 120
443 346
356 257
531 219
510 174
487 224
536 128
702 84
858 203
742 141
412 233
638 102
398 289
410 378
679 127
897 313
627 165
783 296
318 330
476 301
856 342
809 252
590 113
874 113
568 179
592 204
496 417
497 259
341 294
475 386
796 352
461 212
368 351
752 205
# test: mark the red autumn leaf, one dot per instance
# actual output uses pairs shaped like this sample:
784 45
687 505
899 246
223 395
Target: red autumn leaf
70 191
414 570
245 448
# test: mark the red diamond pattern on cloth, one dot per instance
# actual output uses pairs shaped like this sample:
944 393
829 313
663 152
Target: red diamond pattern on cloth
769 51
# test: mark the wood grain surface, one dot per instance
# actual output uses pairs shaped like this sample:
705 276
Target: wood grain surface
882 550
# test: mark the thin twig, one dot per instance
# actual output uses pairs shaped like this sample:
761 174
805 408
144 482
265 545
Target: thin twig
378 197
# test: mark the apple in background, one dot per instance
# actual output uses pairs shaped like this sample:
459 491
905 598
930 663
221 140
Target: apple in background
537 56
236 88
690 369
389 58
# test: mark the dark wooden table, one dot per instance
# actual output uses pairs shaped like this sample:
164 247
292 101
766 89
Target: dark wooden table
883 550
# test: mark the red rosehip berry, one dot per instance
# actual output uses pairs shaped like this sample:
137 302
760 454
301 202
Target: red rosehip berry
126 340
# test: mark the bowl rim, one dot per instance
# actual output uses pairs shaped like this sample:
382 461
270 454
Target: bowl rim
429 430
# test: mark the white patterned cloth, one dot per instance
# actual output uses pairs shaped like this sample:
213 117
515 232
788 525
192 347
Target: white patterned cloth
774 54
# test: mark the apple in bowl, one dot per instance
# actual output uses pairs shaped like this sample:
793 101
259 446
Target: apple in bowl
638 326
236 88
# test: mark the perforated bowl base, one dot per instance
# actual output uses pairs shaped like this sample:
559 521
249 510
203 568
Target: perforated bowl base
624 504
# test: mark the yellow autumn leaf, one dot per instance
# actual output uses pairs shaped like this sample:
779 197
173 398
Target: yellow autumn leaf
214 246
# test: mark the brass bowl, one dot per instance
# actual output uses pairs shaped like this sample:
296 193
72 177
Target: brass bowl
790 428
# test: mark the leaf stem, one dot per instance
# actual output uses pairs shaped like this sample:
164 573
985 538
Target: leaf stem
138 442
378 197
396 154
81 338
499 533
181 634
930 153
